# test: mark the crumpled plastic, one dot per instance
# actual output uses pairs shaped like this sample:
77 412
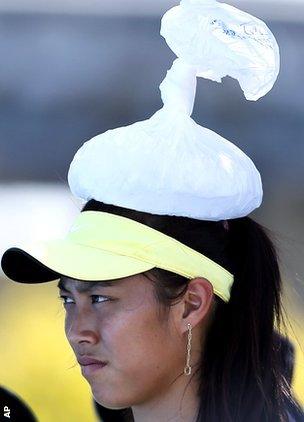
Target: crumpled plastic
220 40
168 164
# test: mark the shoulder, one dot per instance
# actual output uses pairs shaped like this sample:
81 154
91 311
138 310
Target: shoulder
14 406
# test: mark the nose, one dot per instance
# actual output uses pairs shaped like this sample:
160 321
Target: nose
81 327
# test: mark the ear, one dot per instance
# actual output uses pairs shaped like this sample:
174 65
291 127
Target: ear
196 302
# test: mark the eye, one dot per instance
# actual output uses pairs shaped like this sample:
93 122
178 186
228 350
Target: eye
66 300
99 298
95 299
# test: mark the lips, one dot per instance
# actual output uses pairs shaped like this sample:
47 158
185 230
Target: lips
84 361
90 366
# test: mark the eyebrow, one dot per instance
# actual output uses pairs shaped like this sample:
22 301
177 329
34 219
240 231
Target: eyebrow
85 286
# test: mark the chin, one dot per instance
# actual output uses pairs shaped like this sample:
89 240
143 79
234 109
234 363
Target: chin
111 404
108 400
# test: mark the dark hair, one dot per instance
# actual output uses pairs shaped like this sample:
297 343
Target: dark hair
245 375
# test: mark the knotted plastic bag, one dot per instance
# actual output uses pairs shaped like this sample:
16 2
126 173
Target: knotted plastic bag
168 164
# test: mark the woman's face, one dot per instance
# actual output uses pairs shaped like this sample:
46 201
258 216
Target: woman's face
117 323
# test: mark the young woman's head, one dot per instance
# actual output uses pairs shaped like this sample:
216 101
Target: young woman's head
119 324
138 327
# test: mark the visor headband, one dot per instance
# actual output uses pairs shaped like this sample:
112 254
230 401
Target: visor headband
124 236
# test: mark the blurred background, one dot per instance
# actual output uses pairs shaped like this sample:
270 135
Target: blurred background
73 69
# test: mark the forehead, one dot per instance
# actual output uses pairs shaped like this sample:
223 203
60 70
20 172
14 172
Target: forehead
70 284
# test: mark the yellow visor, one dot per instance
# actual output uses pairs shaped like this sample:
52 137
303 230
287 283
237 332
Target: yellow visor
103 246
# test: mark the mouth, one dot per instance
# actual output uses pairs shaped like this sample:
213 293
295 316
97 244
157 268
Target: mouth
90 366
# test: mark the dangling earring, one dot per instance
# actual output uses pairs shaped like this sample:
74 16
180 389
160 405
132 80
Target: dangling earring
187 369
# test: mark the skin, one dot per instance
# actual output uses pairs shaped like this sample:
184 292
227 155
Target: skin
117 322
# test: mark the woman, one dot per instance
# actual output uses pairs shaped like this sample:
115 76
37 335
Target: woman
237 371
157 346
172 292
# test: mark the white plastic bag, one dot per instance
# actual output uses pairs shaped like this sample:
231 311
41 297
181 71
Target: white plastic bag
219 40
169 164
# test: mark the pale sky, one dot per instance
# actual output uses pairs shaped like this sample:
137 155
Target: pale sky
272 9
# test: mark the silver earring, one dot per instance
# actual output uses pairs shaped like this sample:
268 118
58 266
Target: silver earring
187 369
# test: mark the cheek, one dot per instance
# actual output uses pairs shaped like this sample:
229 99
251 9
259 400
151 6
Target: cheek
132 336
142 356
67 324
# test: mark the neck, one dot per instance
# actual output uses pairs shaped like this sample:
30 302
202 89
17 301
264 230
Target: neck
179 403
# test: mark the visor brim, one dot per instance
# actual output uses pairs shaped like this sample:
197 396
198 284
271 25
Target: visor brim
43 262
